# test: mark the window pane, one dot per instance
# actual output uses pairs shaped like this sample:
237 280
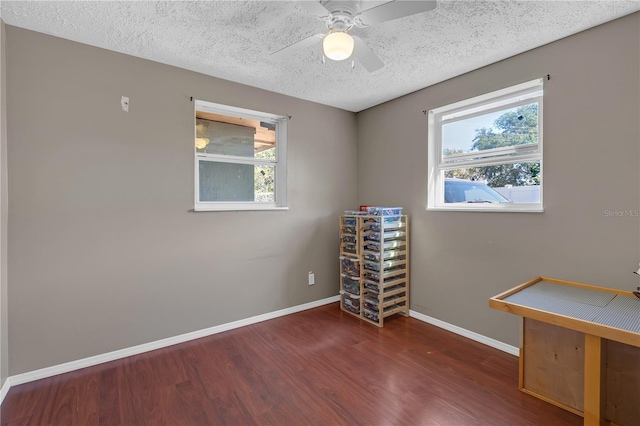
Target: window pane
509 127
241 137
517 182
266 154
221 181
265 184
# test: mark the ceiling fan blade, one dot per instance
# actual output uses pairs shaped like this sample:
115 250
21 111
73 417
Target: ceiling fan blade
298 46
314 7
394 10
365 56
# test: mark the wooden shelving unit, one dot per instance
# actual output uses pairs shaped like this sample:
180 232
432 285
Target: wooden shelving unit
374 266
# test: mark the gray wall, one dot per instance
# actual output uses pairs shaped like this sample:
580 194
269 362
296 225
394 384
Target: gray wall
4 330
104 250
591 163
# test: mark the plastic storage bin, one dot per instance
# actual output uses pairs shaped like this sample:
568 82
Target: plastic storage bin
387 211
383 223
375 266
387 235
350 285
376 245
349 221
373 279
351 304
371 302
371 314
386 255
349 248
371 286
349 229
349 238
350 266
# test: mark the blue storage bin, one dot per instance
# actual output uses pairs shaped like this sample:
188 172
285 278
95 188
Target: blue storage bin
349 221
387 211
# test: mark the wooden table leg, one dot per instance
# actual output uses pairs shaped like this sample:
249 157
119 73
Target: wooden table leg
593 395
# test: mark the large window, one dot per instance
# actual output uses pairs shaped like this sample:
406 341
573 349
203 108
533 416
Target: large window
240 159
485 153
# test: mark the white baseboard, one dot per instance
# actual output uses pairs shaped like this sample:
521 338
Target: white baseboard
5 389
158 344
146 347
466 333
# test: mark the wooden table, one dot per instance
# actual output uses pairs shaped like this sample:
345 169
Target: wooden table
580 347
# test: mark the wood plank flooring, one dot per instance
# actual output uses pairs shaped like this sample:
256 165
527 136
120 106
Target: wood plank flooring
317 367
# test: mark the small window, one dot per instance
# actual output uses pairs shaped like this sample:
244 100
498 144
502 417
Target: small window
485 153
240 159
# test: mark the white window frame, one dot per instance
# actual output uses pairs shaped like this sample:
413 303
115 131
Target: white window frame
503 99
280 163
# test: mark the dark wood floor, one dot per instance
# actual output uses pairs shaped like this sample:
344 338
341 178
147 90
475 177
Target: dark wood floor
318 367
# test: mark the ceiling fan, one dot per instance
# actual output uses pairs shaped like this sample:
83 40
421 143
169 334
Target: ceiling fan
341 16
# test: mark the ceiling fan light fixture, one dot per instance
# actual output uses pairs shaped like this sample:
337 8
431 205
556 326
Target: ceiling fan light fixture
337 46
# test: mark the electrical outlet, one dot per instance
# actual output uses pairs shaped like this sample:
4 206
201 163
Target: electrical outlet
312 278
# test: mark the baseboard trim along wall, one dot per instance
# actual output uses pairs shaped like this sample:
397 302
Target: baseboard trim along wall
4 389
31 376
466 333
163 343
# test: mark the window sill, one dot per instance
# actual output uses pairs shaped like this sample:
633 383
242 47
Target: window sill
510 209
235 207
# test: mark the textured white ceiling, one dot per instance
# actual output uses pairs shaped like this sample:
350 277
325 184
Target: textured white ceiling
233 40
